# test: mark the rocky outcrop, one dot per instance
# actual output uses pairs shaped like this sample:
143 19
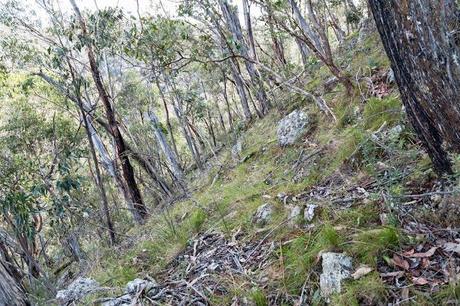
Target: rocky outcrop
291 127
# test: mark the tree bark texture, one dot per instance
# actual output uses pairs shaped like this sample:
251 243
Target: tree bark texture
421 39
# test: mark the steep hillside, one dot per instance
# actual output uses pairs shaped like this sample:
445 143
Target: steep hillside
262 218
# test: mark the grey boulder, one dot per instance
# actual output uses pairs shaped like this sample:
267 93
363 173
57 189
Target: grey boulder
263 214
336 268
77 290
291 127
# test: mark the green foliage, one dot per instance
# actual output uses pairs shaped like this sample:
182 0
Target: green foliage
368 245
259 298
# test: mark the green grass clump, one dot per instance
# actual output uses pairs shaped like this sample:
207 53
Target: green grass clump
300 255
369 290
367 245
197 220
259 298
377 111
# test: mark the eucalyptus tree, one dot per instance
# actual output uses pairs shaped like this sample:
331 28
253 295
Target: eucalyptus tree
311 31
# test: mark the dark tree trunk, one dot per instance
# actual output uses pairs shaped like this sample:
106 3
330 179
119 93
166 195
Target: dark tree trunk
122 152
421 41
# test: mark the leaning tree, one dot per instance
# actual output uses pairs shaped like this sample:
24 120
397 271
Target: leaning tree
421 39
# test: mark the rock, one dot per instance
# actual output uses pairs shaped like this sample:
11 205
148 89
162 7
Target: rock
123 300
291 127
309 212
78 289
282 197
138 284
395 132
294 215
237 149
263 214
336 268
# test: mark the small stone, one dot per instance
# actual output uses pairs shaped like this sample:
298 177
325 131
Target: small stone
309 212
436 198
263 214
237 149
137 284
283 197
336 268
266 197
294 215
384 219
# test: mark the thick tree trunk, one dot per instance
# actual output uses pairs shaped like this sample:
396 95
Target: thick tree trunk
122 152
421 40
11 293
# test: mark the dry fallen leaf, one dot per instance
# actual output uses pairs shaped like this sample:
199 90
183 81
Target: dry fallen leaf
399 262
419 281
428 253
361 271
405 293
451 247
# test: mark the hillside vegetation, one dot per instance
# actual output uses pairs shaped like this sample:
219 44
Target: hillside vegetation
207 156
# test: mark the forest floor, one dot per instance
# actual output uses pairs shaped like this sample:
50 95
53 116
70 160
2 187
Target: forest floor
369 192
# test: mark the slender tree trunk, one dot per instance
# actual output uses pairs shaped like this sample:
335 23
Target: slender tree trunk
234 25
239 84
168 122
122 152
316 39
276 41
418 38
247 20
227 103
166 149
98 176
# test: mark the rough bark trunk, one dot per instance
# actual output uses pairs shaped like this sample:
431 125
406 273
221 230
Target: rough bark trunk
11 293
421 41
